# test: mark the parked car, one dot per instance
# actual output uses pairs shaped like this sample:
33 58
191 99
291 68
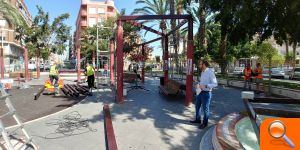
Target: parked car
265 72
42 66
31 65
47 67
277 73
295 74
238 71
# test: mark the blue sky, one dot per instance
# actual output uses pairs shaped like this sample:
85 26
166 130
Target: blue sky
57 7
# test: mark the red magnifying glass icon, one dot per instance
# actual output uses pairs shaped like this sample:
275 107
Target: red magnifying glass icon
277 130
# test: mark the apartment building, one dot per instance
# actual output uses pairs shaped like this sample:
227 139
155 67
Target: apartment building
90 13
13 52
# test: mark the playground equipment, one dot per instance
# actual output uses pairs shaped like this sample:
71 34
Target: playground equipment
13 142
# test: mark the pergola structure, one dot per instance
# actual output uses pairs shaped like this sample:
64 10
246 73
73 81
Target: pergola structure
190 49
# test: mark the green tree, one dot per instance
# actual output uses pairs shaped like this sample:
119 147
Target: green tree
60 34
157 59
266 52
44 38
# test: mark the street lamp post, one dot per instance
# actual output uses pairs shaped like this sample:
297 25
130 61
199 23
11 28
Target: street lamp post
97 56
2 25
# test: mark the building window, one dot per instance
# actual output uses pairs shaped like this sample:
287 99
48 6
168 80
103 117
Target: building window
92 11
298 53
92 22
109 9
101 11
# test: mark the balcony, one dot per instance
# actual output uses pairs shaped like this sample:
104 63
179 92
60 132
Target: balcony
84 23
83 13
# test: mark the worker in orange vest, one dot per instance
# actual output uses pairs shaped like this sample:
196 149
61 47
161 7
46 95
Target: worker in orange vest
258 77
247 77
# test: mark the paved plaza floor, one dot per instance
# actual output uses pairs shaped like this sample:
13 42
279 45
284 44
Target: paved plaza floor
147 120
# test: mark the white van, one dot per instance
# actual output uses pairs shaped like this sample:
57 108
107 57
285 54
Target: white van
31 65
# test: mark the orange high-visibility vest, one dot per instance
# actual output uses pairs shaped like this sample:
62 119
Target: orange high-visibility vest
247 73
259 73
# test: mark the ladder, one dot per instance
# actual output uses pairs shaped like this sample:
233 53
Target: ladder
8 139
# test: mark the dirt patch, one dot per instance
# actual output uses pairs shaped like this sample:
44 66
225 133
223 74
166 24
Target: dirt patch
29 109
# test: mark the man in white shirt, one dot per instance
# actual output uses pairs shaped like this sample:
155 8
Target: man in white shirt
207 82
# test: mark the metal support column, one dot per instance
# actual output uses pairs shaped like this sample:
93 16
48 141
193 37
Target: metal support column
78 66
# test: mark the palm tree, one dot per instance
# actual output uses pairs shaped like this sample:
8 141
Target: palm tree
11 13
154 7
200 15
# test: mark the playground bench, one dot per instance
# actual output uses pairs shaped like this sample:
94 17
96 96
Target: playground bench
172 88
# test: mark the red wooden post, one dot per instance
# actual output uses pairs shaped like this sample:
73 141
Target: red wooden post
112 60
26 64
120 62
166 60
190 53
78 66
143 67
2 62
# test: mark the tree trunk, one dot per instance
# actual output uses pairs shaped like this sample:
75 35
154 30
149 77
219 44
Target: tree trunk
270 63
38 67
174 35
294 53
286 51
222 49
202 16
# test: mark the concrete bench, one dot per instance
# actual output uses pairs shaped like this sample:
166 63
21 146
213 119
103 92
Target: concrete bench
129 77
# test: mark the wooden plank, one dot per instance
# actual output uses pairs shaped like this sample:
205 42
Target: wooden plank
154 17
275 100
277 112
38 94
110 139
253 117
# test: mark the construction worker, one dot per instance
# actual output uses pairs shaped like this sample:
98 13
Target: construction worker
90 73
53 75
258 77
247 77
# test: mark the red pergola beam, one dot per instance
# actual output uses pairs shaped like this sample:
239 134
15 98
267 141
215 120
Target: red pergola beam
169 33
151 41
190 51
154 17
136 24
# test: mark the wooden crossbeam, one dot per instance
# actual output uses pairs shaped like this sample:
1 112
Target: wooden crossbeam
110 139
277 112
137 24
154 17
275 100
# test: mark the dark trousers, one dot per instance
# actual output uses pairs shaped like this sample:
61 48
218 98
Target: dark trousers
203 99
53 77
91 80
